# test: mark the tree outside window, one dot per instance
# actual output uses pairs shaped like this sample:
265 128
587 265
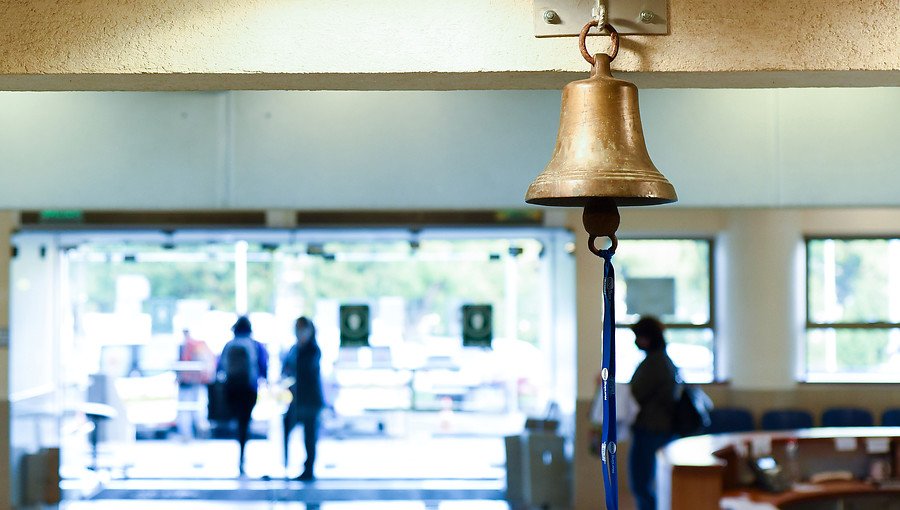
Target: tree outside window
853 310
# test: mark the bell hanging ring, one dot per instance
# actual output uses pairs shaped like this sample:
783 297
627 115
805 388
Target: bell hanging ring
600 150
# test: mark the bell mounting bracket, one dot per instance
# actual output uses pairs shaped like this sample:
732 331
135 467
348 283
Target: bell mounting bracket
562 18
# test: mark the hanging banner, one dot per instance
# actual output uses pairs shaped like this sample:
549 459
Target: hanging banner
478 325
354 325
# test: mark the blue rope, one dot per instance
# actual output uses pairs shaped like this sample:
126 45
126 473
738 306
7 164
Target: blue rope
608 381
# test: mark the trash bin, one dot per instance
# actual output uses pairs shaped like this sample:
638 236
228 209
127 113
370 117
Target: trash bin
515 493
537 471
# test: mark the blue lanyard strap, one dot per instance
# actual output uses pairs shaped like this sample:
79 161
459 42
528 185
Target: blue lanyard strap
608 381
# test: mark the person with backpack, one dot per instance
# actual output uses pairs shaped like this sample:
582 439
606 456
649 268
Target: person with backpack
302 365
243 362
655 388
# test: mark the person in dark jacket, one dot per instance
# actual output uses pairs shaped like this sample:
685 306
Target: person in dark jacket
302 364
243 362
654 386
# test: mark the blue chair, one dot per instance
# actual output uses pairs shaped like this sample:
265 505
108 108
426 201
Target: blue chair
847 417
891 418
786 419
730 419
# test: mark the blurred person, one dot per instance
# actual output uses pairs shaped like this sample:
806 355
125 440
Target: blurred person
192 381
654 387
244 361
302 364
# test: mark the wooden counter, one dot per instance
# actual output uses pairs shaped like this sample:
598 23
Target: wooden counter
803 492
690 476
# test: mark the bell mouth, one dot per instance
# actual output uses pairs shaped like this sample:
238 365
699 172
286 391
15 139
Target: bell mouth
584 201
580 193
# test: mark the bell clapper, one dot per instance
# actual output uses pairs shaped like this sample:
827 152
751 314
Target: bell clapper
601 219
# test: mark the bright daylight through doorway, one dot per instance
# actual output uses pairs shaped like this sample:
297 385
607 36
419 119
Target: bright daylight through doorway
415 402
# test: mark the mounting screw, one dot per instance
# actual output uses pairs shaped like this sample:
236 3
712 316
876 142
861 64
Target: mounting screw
550 16
647 16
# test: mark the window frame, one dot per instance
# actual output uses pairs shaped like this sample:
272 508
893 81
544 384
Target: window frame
810 325
710 324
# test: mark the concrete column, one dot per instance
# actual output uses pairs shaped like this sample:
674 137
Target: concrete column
760 297
8 222
587 484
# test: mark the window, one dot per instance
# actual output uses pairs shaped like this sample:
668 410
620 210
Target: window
672 280
853 310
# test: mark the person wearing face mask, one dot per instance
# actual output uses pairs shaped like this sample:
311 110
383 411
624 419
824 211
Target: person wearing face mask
302 364
654 387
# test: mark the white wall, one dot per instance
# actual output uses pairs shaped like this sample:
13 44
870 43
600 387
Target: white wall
110 150
33 381
33 317
433 150
760 280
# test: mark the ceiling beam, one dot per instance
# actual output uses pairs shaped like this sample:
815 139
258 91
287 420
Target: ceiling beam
413 44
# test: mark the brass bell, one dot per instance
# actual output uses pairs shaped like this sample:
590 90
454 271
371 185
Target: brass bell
600 150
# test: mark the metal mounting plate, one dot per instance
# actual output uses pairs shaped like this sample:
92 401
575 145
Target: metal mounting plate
625 15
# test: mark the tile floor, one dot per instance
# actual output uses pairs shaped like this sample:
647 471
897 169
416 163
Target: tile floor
420 473
412 457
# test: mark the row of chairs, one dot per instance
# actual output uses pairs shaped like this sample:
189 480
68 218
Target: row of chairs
733 419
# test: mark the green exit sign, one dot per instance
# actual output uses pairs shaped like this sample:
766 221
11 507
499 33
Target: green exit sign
61 216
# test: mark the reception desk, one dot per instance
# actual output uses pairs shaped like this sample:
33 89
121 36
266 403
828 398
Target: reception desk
859 467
